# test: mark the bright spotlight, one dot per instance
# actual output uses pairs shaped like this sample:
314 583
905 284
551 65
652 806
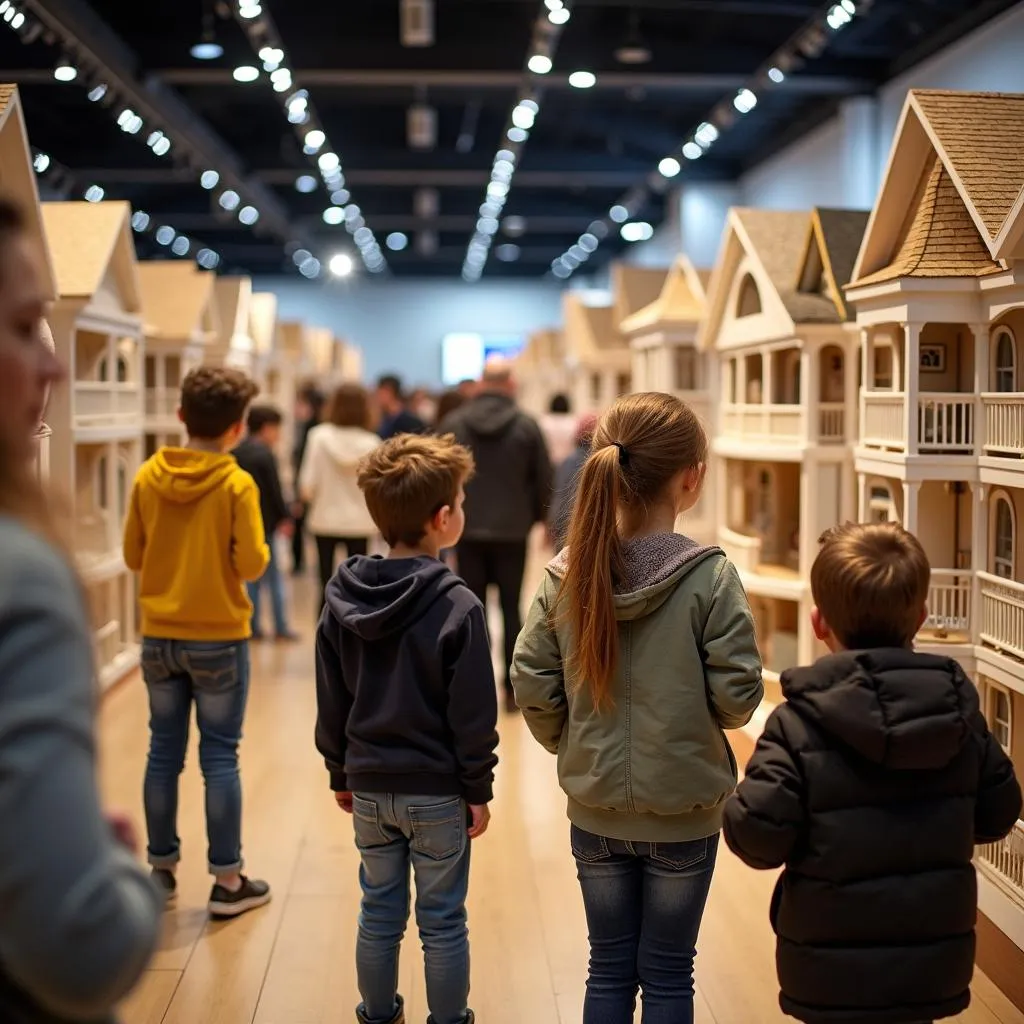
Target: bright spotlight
745 101
65 72
180 246
229 200
165 235
619 214
669 167
341 264
209 179
315 139
305 183
96 93
583 79
140 220
637 231
776 75
692 151
540 64
396 241
248 215
333 215
245 73
41 162
94 194
329 162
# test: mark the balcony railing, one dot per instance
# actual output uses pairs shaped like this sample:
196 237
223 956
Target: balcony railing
1004 423
162 403
775 422
101 404
944 422
1003 862
744 549
882 420
1002 614
831 422
949 602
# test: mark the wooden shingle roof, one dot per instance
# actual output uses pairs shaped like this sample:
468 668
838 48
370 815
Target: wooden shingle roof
682 301
177 299
591 335
633 288
833 241
939 239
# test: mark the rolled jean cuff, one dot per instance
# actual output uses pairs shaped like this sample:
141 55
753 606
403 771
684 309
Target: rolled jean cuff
164 862
217 870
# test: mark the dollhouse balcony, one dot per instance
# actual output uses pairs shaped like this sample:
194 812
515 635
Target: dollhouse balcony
776 423
1004 424
944 424
1002 614
1003 862
949 607
162 403
831 423
744 549
99 404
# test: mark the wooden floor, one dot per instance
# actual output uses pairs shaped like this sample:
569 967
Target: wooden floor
292 961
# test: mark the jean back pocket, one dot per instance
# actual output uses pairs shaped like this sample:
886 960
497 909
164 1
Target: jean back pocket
213 669
438 830
587 847
366 821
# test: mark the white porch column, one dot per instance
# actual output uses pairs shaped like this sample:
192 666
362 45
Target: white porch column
911 492
862 498
981 383
912 360
810 391
851 405
767 377
979 553
804 632
719 469
740 363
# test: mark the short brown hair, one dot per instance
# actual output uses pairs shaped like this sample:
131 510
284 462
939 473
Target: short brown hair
409 479
870 583
349 406
214 399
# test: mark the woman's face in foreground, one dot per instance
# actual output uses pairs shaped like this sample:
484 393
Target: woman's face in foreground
27 366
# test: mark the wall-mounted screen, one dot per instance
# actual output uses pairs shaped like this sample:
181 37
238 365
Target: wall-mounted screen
463 356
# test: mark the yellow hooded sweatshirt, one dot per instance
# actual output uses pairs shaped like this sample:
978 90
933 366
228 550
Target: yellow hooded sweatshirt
194 534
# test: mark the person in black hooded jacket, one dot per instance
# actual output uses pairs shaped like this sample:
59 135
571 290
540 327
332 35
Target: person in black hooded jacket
872 783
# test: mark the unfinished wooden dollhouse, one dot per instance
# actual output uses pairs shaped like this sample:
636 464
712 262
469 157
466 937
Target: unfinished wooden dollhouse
96 448
786 353
541 371
180 317
938 290
598 356
233 344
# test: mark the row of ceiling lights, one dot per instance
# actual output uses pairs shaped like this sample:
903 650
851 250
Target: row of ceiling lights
704 136
554 14
299 112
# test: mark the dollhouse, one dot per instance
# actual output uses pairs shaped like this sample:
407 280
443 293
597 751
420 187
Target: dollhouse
233 345
263 329
97 417
598 356
541 371
180 316
938 290
663 339
785 349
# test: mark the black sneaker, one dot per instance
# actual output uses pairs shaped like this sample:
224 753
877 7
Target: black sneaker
165 881
251 894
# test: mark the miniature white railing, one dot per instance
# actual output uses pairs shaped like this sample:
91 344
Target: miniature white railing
107 641
1004 423
744 549
1002 614
881 419
778 422
1003 862
949 601
832 422
102 404
162 403
945 422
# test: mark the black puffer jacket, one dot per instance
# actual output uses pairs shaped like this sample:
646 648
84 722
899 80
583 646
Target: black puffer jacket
872 784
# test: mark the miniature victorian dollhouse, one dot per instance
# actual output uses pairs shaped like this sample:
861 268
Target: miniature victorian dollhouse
598 356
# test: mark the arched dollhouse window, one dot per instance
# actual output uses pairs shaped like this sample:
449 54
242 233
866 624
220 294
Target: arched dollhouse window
1003 537
749 302
103 370
999 712
102 497
881 507
1004 365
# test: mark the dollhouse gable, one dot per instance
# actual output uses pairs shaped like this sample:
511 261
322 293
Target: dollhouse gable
949 206
681 303
18 177
591 337
94 257
755 275
634 288
178 302
233 296
833 241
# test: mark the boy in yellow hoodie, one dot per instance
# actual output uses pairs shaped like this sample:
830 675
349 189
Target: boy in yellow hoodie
194 533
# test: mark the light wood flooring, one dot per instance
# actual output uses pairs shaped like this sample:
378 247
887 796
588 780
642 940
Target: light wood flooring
292 961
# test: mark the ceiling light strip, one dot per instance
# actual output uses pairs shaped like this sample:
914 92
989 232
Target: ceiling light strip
553 16
809 42
266 42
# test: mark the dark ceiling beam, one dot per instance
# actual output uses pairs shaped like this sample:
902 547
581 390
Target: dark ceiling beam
755 8
473 81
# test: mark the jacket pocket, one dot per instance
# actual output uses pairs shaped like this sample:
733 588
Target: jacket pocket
680 856
587 847
439 830
366 821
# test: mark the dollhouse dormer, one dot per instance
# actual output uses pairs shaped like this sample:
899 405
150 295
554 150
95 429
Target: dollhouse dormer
599 359
234 344
180 316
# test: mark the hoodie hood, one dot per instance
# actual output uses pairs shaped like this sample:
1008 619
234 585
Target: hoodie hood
654 567
183 475
895 707
490 413
345 445
376 597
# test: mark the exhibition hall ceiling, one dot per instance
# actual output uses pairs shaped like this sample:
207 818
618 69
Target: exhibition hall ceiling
487 138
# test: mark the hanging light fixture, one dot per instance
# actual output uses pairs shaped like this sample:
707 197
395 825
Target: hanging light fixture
207 48
634 50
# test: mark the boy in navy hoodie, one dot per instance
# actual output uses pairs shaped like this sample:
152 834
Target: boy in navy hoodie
872 783
407 723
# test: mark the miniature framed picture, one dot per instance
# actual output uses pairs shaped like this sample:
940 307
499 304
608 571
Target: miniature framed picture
933 358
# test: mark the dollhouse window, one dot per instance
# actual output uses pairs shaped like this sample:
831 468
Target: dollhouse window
881 507
883 367
623 384
103 370
102 497
595 387
1000 715
1003 538
684 369
749 303
1005 368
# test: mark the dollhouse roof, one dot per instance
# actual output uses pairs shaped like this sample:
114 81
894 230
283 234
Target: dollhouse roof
833 241
544 348
634 288
233 296
177 300
951 199
18 178
591 336
295 340
263 321
92 251
682 301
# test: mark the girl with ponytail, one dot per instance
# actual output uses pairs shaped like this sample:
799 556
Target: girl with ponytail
638 652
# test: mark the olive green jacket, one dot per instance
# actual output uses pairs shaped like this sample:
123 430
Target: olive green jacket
657 766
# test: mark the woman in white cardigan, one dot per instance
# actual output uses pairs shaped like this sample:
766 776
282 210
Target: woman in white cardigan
337 513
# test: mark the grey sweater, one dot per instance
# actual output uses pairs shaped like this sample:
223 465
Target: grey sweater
78 918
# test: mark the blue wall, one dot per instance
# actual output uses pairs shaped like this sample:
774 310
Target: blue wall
399 323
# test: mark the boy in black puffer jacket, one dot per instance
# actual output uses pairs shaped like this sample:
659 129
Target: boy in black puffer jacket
872 784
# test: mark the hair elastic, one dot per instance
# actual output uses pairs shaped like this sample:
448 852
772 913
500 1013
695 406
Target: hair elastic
623 453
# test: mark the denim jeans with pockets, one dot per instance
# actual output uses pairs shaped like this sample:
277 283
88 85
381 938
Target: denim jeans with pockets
428 834
214 677
273 581
644 903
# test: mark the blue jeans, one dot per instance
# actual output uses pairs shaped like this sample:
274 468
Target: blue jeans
271 578
644 903
430 833
216 677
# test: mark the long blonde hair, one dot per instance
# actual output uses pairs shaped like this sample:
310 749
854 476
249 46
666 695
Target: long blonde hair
640 445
